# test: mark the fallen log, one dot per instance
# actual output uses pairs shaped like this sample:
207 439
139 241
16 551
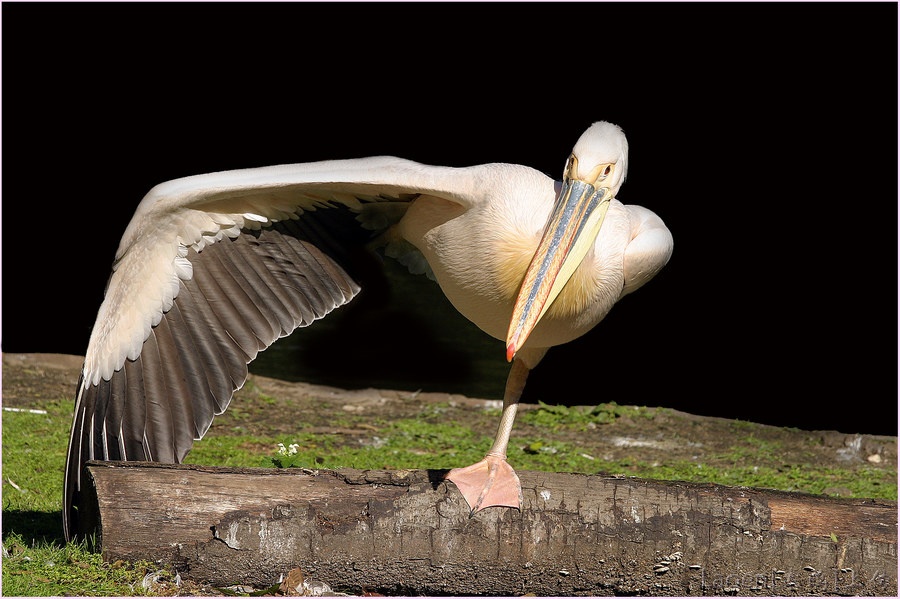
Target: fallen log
409 533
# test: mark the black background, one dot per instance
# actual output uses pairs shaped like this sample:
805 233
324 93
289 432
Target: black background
765 135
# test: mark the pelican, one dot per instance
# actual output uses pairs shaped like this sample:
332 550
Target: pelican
214 268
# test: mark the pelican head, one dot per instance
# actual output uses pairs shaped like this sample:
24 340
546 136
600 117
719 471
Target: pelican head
593 175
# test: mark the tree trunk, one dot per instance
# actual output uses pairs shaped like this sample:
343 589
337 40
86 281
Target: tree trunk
409 533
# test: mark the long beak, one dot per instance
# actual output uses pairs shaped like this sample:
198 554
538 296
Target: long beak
571 231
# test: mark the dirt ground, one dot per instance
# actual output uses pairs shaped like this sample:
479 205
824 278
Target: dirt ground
670 435
664 436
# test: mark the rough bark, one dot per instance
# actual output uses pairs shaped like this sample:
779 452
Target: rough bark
409 533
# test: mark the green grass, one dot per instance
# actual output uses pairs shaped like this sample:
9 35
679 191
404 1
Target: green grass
427 443
34 455
556 417
36 561
48 568
404 444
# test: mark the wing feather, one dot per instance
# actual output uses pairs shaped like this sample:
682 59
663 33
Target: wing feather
135 412
274 299
204 279
158 419
213 269
115 443
223 317
244 285
205 347
189 361
177 393
649 250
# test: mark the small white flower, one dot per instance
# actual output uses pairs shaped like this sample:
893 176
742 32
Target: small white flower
293 448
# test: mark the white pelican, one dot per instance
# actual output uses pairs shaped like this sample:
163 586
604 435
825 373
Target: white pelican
213 268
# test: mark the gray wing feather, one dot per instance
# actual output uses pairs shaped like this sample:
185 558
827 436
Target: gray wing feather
244 294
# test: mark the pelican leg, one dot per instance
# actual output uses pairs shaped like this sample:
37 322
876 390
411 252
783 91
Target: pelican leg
492 481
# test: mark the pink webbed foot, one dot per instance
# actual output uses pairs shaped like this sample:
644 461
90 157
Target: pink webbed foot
488 483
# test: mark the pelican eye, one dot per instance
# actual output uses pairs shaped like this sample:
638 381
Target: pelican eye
571 166
606 171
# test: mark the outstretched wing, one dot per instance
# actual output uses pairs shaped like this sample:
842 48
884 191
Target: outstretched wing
211 270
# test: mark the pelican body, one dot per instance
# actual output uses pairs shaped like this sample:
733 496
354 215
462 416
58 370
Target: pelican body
214 268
